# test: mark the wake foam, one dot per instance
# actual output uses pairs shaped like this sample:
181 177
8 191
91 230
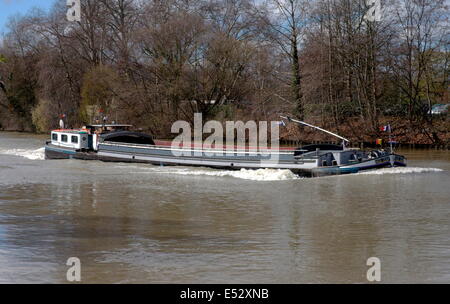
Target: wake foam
268 174
254 175
400 170
38 154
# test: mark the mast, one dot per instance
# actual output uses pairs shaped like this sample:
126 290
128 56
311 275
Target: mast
344 140
390 138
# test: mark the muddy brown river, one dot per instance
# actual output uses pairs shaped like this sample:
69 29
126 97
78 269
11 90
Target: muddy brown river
131 223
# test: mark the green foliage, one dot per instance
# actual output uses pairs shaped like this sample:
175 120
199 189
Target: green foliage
20 98
41 116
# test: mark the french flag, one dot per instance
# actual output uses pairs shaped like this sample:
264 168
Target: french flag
385 128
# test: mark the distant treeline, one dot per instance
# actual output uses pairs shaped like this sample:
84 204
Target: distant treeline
152 62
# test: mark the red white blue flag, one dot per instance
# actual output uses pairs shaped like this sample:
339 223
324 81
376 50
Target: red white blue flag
385 128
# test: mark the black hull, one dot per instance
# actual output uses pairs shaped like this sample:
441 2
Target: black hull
54 152
50 154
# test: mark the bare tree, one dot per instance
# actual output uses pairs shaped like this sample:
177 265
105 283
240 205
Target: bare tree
286 20
423 31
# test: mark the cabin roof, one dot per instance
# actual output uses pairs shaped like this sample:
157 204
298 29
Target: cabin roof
71 131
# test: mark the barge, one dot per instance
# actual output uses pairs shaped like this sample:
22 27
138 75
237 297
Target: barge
116 143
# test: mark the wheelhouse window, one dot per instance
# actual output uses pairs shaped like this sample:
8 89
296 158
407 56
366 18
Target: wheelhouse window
64 138
55 137
75 139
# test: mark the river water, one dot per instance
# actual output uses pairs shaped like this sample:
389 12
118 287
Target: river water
131 223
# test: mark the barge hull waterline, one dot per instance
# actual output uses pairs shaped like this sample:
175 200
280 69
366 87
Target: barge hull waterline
57 154
65 153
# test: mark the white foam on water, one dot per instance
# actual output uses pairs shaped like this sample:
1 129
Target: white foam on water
38 154
247 174
254 175
400 170
261 174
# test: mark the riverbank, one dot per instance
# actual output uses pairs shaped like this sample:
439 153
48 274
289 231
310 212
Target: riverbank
404 137
435 135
